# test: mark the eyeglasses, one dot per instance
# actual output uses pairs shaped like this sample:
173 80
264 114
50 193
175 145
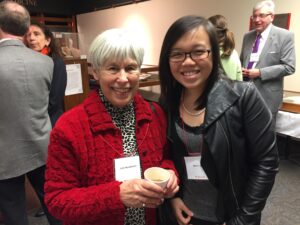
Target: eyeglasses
260 16
176 56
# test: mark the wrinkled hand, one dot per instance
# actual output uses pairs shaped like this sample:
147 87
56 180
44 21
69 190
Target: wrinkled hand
251 73
178 209
135 193
172 187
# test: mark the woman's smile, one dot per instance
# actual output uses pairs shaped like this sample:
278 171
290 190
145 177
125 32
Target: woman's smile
121 92
190 73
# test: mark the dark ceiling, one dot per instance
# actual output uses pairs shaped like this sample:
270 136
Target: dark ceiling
72 7
84 6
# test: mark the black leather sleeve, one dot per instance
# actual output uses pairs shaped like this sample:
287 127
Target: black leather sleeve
262 157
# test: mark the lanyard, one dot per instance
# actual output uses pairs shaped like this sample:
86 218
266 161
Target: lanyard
186 144
121 155
135 151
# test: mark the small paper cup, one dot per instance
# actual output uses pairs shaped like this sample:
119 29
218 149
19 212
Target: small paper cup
157 176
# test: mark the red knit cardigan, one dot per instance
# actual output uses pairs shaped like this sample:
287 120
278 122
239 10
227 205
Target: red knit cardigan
80 188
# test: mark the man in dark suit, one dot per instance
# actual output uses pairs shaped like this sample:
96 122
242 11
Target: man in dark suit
268 60
25 78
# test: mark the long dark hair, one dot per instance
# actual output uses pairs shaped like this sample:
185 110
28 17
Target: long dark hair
55 51
171 90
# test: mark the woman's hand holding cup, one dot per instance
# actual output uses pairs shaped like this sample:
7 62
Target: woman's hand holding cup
139 193
166 179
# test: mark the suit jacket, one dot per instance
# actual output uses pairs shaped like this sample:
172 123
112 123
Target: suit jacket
276 60
25 78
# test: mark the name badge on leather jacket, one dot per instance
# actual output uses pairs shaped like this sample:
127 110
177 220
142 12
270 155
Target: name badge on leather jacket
194 169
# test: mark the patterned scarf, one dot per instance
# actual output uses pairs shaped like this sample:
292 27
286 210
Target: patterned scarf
124 119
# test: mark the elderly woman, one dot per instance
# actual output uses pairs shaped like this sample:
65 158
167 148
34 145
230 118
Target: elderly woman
99 150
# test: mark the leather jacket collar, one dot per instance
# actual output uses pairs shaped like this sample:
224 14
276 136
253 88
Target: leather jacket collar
221 97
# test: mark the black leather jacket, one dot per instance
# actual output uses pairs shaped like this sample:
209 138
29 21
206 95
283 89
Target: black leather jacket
242 160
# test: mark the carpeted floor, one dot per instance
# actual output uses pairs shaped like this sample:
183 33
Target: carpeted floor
283 205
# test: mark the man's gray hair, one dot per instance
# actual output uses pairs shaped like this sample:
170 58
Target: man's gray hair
268 5
115 44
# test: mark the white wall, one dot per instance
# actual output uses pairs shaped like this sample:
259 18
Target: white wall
151 20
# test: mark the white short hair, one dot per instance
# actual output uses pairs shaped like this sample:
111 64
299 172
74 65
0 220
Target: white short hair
269 5
116 44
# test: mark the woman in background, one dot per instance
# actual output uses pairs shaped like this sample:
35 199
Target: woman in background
230 60
222 140
41 39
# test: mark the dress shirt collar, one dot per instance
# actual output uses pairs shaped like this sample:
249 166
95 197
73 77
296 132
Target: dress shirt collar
265 33
6 39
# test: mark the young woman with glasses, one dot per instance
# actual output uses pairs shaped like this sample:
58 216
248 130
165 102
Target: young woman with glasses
222 141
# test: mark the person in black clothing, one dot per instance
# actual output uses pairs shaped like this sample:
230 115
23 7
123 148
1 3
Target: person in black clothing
41 39
220 131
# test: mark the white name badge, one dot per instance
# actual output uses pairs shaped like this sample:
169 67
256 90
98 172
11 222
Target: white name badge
254 57
127 168
194 169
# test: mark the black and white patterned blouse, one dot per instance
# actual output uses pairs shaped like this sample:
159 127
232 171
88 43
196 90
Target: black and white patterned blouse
124 119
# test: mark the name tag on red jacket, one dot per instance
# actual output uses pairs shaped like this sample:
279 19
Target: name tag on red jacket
127 168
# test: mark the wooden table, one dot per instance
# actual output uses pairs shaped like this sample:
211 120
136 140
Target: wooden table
290 106
149 68
150 81
153 79
289 111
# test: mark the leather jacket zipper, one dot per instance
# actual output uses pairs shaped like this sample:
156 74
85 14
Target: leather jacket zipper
229 163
